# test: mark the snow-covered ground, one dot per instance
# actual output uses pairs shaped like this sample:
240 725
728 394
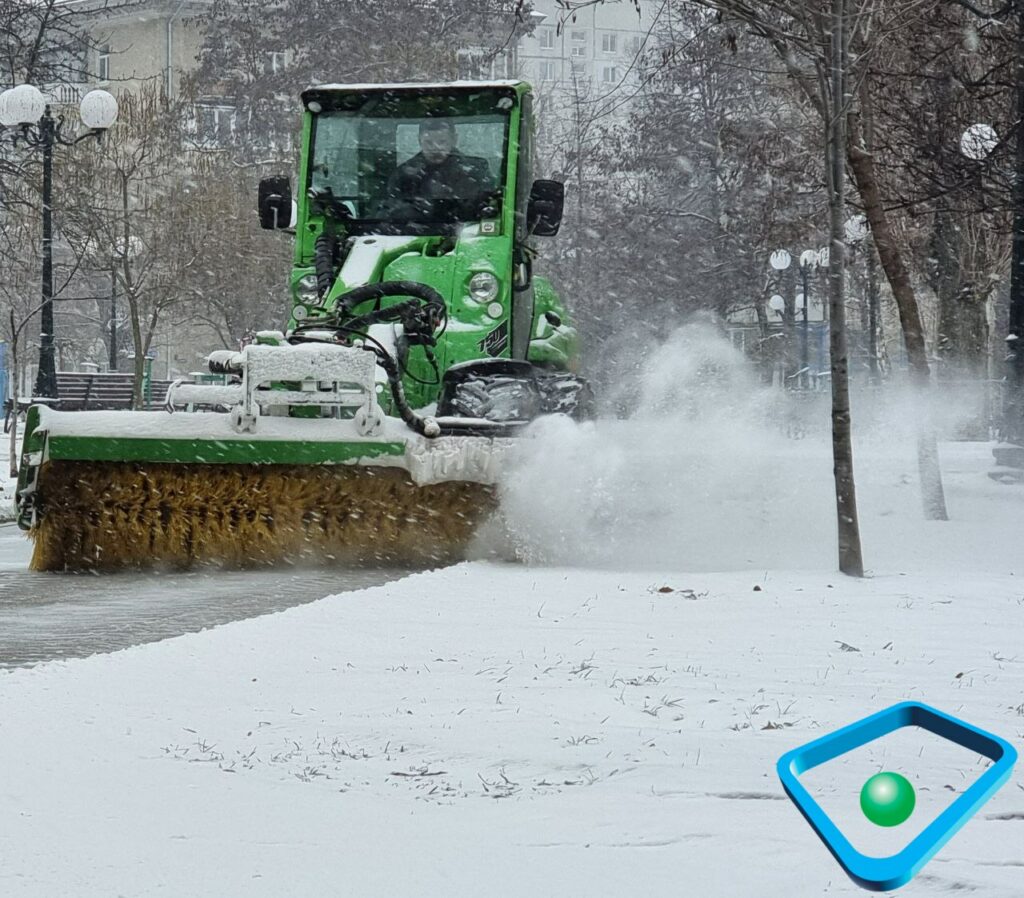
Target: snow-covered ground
604 720
514 730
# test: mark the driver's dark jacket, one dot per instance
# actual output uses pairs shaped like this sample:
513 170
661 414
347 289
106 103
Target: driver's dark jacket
456 177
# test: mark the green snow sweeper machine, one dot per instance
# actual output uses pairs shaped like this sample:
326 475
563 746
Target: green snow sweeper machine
375 425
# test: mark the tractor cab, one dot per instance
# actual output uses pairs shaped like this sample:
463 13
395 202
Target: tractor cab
410 163
428 184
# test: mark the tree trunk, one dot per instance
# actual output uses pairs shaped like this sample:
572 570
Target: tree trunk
138 343
963 326
962 348
139 363
765 355
788 352
14 400
851 560
131 294
890 256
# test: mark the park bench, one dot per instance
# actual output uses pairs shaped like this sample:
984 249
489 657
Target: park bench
90 391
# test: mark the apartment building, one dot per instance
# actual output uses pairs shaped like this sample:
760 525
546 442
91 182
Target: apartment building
581 50
575 50
142 41
150 42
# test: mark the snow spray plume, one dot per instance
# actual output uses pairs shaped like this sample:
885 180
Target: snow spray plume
702 467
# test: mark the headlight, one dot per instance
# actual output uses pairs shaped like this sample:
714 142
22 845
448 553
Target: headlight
306 290
483 287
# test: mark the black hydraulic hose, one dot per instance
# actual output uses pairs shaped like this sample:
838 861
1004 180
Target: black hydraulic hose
348 301
324 251
426 427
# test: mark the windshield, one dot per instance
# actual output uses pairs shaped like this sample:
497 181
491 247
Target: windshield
410 164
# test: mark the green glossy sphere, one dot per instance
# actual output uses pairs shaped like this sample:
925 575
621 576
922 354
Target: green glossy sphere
887 799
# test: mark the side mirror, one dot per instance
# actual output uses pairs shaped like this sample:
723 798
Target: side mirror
544 212
275 203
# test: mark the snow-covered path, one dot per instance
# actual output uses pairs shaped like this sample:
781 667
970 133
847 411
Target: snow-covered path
48 616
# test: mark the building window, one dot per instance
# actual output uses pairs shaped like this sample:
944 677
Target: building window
609 74
547 70
609 43
103 63
579 73
276 61
579 37
546 36
215 124
475 63
470 64
500 65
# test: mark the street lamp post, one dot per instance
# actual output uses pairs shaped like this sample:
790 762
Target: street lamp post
809 260
780 261
1013 406
25 111
977 143
112 354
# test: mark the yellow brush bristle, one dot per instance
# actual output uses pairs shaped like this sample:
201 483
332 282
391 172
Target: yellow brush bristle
110 515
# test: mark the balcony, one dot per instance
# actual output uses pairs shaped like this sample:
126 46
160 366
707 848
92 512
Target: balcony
66 94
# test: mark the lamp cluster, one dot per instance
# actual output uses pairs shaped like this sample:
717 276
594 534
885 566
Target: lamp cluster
24 105
25 111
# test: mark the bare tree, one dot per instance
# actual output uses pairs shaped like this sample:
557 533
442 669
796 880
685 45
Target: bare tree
850 558
134 207
239 283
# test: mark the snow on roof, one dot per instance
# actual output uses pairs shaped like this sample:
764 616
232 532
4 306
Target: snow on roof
416 85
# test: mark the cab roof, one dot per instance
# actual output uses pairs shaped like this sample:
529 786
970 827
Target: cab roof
413 87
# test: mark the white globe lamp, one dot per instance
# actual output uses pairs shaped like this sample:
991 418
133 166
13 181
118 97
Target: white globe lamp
6 119
98 110
21 105
978 141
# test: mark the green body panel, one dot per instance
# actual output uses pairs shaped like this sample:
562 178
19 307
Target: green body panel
550 346
237 452
33 441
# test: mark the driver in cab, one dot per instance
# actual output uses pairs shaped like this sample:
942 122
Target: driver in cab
439 172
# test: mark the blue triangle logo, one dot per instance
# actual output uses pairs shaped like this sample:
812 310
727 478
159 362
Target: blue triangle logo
887 873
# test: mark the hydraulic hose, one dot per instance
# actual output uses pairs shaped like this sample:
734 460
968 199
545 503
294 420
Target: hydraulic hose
324 251
348 301
426 427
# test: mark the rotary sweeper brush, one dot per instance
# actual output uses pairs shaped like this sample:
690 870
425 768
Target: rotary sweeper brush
376 425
